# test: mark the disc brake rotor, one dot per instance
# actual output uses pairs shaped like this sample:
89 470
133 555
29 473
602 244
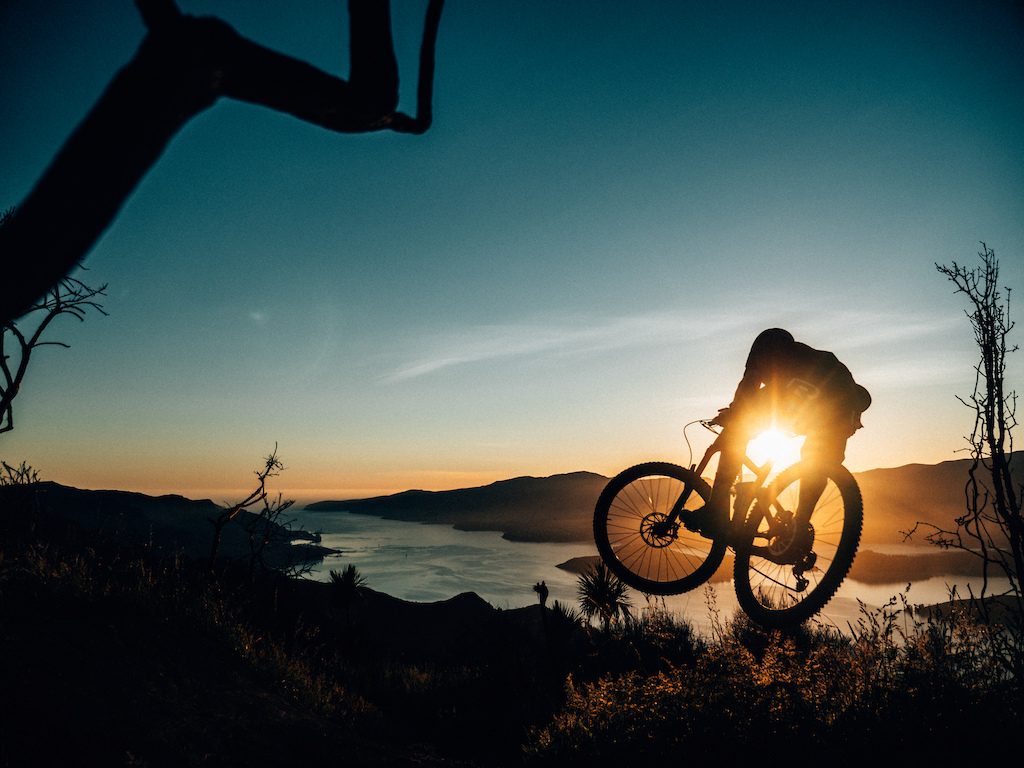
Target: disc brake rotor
657 531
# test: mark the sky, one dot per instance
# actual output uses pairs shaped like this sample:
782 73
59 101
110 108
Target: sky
567 269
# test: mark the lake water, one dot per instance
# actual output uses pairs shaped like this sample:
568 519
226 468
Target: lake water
426 563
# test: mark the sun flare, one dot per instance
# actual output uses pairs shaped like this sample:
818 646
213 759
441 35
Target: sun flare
782 448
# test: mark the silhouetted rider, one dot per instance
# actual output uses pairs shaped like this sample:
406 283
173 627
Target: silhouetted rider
791 386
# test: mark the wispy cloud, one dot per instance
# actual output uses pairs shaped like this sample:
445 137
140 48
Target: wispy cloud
925 371
575 336
871 328
842 330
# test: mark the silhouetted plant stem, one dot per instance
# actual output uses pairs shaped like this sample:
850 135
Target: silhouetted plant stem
992 527
271 468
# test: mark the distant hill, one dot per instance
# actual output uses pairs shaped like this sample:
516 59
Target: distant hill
558 508
561 508
171 523
895 499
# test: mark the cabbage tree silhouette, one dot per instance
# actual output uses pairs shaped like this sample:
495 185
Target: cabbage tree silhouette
184 65
542 594
346 587
604 595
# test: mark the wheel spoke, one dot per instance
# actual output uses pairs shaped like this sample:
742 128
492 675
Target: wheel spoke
640 540
771 584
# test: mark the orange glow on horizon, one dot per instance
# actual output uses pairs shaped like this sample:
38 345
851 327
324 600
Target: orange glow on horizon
303 488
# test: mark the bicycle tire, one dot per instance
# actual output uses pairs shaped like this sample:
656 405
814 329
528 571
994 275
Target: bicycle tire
767 591
666 565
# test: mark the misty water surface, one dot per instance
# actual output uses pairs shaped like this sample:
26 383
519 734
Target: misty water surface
425 563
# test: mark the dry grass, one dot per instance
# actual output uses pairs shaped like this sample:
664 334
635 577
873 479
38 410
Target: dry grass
121 660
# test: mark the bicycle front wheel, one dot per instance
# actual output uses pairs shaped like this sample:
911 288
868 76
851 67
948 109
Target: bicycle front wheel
638 539
789 570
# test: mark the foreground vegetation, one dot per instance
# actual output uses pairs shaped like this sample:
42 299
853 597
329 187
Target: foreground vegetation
126 658
916 689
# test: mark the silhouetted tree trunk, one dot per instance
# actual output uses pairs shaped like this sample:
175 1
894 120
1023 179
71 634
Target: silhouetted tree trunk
182 67
542 594
992 527
267 530
994 504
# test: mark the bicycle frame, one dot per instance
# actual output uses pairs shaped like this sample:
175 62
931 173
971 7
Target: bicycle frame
747 495
745 491
791 554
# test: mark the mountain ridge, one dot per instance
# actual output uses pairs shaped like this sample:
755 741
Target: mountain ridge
560 508
524 508
170 523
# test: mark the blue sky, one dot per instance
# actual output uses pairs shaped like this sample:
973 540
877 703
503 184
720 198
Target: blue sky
564 271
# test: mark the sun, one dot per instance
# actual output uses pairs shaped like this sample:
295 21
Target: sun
783 448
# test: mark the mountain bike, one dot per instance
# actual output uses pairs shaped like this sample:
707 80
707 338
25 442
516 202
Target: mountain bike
786 567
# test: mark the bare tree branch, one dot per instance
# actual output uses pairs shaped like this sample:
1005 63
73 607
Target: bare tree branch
992 527
69 297
272 467
184 65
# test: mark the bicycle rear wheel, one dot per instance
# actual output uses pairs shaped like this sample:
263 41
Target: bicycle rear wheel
786 573
636 539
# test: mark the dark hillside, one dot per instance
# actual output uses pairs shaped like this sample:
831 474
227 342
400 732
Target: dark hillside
169 524
897 498
558 508
125 656
94 688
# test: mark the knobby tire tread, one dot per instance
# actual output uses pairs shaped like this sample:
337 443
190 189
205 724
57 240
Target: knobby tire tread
846 550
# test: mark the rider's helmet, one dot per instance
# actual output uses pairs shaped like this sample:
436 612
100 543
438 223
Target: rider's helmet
770 343
860 399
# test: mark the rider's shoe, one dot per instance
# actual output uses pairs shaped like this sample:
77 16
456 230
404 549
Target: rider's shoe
710 521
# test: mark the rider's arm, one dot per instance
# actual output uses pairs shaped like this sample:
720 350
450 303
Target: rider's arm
749 384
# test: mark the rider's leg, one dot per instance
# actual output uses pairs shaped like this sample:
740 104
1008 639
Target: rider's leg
744 421
713 516
820 451
730 462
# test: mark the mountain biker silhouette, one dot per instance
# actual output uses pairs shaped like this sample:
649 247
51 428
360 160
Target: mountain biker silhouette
790 386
